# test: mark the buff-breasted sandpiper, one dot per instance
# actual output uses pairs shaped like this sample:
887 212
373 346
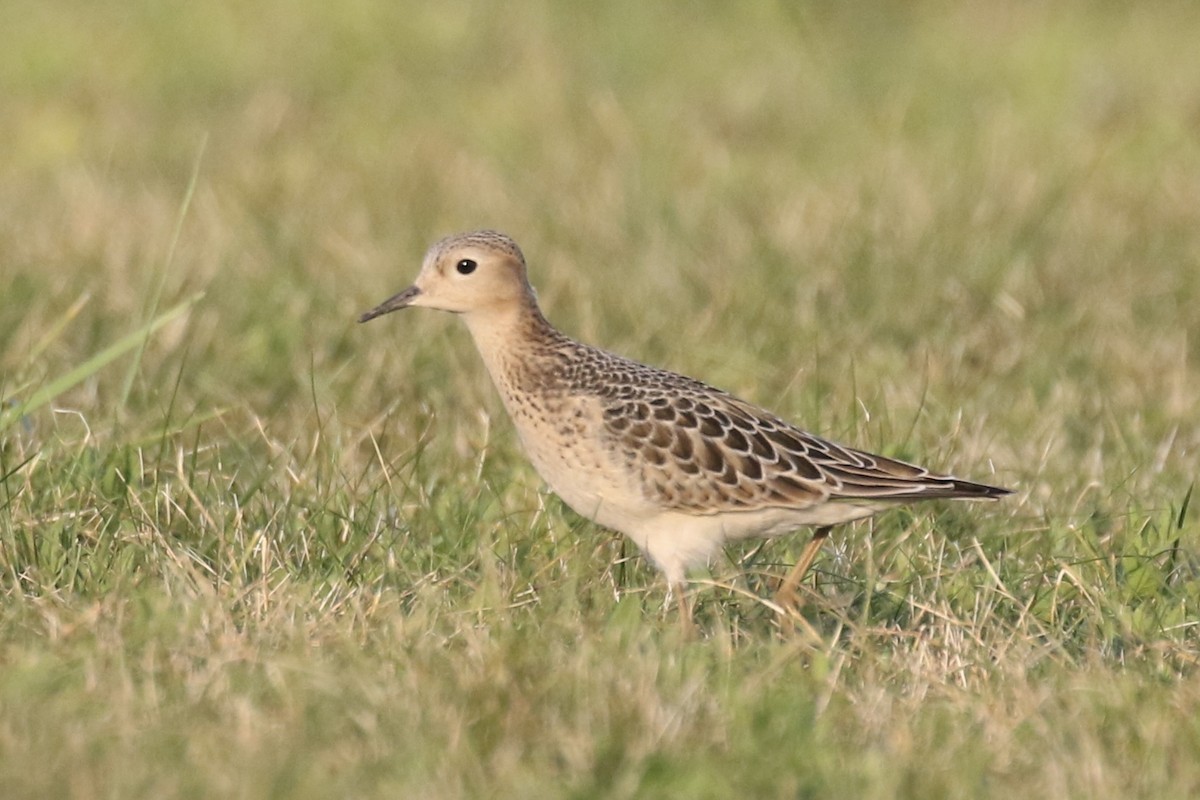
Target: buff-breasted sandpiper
677 466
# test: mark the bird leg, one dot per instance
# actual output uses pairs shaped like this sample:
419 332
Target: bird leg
686 623
786 594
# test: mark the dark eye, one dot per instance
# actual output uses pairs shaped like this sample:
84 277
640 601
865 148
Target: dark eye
466 266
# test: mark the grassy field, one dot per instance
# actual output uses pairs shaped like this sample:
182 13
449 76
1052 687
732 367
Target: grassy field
251 549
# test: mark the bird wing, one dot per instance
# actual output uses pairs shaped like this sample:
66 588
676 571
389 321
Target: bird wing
703 451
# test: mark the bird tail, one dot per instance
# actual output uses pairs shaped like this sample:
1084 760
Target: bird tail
894 480
971 490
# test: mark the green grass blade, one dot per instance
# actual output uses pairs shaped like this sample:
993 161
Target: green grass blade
127 387
94 364
48 338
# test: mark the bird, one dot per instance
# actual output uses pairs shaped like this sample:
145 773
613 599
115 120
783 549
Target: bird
674 464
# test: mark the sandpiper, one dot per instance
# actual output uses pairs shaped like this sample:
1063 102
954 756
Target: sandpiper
674 464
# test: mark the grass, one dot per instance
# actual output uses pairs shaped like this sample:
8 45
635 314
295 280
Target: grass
250 549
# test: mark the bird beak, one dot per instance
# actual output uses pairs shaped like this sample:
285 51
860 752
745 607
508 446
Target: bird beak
395 303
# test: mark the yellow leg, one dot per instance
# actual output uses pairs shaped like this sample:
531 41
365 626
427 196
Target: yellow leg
686 623
786 595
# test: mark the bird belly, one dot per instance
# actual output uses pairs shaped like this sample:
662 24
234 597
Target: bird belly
767 523
585 478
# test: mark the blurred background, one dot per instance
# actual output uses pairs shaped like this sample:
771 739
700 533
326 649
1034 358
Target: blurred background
700 187
961 233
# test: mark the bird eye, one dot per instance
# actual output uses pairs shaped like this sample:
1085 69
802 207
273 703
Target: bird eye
466 266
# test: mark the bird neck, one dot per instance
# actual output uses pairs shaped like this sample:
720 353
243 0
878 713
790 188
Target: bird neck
512 339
